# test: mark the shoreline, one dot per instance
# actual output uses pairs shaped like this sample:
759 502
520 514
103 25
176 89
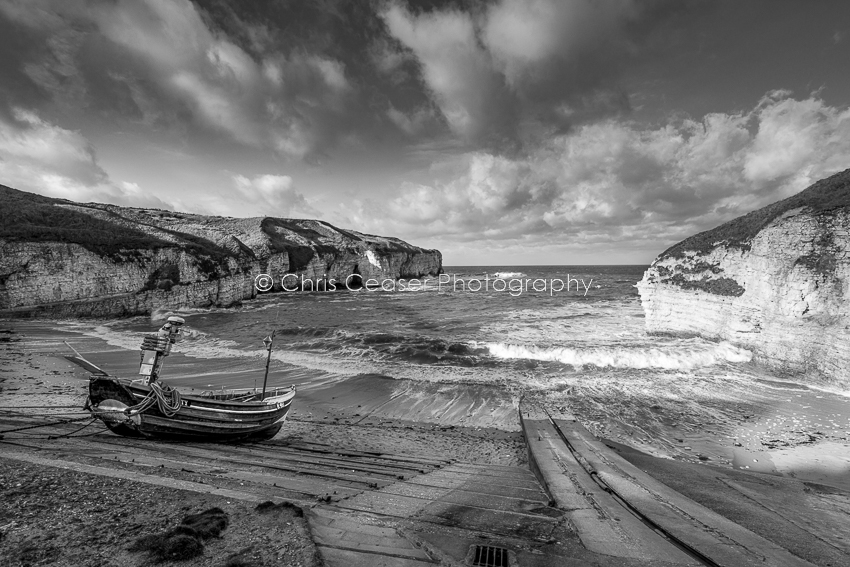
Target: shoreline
384 412
361 415
784 441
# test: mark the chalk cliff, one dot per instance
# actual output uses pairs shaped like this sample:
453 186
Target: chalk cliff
62 258
775 281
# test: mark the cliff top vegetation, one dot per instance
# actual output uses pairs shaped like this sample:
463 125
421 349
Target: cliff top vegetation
823 197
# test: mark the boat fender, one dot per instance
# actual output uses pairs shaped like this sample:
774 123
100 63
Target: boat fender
115 412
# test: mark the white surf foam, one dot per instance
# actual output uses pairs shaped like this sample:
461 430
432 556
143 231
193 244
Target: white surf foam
668 358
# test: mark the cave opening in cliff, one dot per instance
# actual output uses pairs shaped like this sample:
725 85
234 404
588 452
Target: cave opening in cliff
355 281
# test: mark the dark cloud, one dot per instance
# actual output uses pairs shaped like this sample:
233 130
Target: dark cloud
513 71
216 69
21 45
298 77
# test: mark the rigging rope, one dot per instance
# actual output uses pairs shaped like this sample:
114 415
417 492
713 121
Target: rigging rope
36 407
44 425
166 398
70 435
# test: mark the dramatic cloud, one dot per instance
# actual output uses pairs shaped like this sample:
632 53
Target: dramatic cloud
516 65
501 126
41 157
614 181
469 92
164 58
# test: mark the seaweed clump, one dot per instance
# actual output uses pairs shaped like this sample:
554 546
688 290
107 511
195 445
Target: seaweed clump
186 540
718 286
268 507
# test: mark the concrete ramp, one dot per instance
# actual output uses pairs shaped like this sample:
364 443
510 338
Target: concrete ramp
619 510
355 539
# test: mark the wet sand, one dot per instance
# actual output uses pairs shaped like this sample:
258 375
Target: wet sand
767 426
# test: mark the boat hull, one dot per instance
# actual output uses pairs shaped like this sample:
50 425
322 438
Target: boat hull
199 418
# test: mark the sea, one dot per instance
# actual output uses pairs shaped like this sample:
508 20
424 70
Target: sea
570 336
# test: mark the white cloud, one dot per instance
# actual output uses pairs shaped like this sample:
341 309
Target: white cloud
43 158
273 195
527 37
615 183
793 135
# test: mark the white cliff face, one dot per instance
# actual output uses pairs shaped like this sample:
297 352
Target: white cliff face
785 297
199 261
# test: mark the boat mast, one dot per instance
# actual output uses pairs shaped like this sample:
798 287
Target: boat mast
268 341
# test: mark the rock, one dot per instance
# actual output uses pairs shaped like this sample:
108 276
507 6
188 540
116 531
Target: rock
61 258
774 282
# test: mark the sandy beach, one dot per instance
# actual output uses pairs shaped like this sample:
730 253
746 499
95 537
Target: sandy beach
372 412
368 413
39 501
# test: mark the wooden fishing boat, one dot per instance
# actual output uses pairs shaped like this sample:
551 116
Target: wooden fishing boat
148 407
212 416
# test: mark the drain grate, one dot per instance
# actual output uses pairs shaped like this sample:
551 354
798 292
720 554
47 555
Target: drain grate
490 556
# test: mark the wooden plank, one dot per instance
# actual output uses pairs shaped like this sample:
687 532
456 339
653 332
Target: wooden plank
139 477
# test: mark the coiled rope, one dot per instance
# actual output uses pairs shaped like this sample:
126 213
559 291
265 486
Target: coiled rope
166 398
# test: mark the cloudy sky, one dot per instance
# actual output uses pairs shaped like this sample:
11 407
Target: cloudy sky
501 132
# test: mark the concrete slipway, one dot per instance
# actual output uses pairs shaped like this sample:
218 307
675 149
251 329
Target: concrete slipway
580 504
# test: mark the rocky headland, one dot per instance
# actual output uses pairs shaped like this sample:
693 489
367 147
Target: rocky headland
774 281
67 259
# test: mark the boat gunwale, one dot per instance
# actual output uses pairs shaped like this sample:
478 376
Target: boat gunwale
142 391
277 404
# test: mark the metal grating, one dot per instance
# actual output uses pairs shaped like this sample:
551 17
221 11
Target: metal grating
489 556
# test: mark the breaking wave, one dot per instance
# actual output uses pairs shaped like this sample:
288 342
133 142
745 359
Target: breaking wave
667 357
